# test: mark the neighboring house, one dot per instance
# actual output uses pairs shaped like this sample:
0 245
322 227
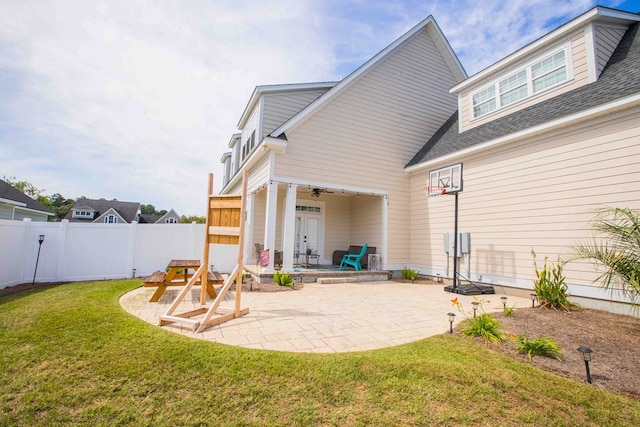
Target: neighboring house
547 136
106 211
16 205
170 217
116 212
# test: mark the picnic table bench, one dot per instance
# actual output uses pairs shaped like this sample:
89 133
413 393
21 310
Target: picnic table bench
173 277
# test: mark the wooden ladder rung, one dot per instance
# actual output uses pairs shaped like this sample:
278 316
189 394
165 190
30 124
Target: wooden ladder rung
224 231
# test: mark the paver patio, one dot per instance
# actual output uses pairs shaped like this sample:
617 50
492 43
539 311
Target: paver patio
325 318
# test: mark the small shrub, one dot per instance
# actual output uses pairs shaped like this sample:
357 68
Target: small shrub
283 279
550 286
541 346
485 326
508 311
409 274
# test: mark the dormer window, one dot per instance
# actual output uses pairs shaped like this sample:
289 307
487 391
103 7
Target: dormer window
81 213
532 79
111 219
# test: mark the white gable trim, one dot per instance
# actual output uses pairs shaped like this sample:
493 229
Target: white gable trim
111 211
620 104
586 18
12 202
361 71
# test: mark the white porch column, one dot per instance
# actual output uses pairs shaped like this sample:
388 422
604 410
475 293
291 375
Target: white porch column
270 224
288 244
248 229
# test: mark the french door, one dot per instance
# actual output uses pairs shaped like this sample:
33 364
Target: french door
308 231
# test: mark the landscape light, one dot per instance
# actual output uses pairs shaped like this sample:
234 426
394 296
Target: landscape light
586 356
533 300
504 302
452 317
40 241
475 307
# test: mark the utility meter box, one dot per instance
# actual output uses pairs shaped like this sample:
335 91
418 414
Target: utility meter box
464 243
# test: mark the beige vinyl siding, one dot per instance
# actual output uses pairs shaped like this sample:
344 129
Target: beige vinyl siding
580 78
539 193
278 108
366 216
338 226
259 174
607 39
366 135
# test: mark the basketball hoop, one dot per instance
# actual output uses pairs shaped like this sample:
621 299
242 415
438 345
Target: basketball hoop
435 190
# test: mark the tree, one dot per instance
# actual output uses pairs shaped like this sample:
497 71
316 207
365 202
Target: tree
184 219
618 253
147 209
25 186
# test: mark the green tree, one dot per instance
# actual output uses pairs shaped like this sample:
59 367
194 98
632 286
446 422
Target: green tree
25 186
147 209
618 254
188 219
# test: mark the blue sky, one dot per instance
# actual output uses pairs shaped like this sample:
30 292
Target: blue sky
137 100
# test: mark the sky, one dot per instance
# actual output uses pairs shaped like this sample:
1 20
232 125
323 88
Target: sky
137 100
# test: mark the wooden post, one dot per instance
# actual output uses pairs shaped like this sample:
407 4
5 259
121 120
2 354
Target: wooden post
205 256
243 206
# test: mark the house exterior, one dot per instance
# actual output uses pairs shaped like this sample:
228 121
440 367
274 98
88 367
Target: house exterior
15 205
116 212
170 217
547 136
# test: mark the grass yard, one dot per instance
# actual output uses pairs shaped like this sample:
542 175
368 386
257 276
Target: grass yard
70 355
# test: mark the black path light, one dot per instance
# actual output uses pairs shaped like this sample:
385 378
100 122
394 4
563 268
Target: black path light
452 317
475 307
533 300
40 240
504 302
586 356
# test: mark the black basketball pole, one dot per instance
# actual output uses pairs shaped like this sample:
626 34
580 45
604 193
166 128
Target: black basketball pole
455 244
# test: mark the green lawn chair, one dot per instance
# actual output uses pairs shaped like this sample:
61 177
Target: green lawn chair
353 259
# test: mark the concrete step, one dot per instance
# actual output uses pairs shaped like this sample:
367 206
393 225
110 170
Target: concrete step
332 280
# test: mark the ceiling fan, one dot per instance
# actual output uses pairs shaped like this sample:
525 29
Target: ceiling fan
316 192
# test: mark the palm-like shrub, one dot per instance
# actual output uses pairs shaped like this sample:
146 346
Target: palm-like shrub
619 251
541 346
485 326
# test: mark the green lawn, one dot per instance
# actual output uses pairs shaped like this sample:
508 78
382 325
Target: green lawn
70 355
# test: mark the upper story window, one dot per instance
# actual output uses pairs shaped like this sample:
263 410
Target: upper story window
535 77
111 219
249 145
82 214
171 221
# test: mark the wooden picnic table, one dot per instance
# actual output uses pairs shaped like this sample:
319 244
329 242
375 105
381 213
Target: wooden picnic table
174 277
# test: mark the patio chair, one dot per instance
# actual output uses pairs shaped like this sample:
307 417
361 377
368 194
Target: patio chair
353 259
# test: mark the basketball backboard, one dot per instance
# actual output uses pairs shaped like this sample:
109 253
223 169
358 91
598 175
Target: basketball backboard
447 180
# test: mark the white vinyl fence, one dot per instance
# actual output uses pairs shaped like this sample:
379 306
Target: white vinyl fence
73 252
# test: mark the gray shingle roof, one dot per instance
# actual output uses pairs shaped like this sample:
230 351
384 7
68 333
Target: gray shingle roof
9 192
127 210
620 78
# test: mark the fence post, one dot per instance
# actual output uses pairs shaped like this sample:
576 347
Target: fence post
27 252
132 247
62 247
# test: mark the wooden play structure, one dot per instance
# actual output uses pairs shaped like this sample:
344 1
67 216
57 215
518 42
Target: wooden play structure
225 224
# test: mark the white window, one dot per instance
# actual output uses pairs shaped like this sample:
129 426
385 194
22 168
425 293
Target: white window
81 213
171 221
549 72
484 101
513 88
535 77
111 219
